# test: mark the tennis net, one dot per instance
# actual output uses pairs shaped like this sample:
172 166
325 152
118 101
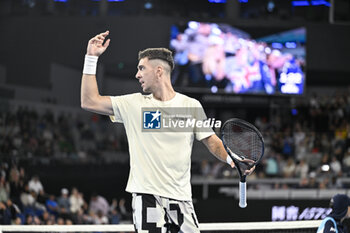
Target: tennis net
251 227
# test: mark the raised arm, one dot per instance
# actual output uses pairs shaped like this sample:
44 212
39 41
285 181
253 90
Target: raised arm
91 100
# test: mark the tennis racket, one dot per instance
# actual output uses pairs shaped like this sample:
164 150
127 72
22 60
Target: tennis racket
245 145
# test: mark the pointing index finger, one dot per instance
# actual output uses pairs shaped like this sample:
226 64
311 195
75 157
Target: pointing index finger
105 33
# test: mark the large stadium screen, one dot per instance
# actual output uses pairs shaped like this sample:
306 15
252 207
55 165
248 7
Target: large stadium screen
218 58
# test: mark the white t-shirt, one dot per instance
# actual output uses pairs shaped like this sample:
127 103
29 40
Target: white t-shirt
36 186
160 162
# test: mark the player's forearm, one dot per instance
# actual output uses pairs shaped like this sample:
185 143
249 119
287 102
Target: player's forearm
219 152
89 91
216 147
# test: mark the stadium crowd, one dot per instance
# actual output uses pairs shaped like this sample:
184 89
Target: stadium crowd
309 141
24 201
26 134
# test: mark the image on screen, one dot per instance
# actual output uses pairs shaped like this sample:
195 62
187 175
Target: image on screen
219 58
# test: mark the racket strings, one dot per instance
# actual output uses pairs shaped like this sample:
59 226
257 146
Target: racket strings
242 140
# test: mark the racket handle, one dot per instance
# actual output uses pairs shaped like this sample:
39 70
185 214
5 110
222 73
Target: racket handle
242 194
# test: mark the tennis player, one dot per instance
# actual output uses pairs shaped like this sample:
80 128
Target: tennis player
333 223
159 177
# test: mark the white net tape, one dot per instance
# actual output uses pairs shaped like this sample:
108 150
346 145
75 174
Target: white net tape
130 228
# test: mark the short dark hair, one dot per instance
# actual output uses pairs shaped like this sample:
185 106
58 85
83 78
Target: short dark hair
158 53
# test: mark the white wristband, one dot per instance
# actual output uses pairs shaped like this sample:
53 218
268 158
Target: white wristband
229 160
90 64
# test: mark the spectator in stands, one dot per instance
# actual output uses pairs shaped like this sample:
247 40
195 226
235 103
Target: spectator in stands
63 203
32 220
4 189
52 206
300 142
100 218
346 162
69 222
324 183
125 214
5 214
45 218
302 169
98 203
29 199
35 184
312 180
42 197
13 208
303 183
271 167
3 168
113 205
289 168
326 142
17 221
60 221
79 217
29 220
309 182
22 174
14 173
335 166
16 187
76 201
114 217
288 144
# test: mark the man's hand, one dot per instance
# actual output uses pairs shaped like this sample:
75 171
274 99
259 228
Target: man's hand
246 172
95 46
250 171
